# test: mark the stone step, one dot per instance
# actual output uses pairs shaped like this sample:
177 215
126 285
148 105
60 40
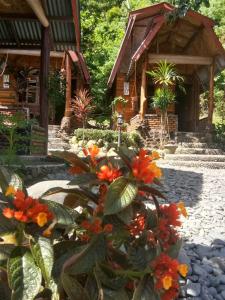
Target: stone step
207 151
195 157
192 140
194 163
195 145
190 134
53 127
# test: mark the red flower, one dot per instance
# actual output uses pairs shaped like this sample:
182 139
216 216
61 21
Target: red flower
108 228
108 173
165 271
137 225
144 169
28 210
8 213
171 214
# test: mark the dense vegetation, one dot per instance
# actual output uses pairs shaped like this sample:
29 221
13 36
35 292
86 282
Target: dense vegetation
103 25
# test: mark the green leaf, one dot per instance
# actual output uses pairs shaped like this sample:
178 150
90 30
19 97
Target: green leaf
73 288
64 216
71 158
7 226
43 255
108 278
84 261
126 215
138 258
91 287
112 294
24 275
145 290
5 251
152 219
152 191
84 179
7 178
79 194
174 250
62 252
121 194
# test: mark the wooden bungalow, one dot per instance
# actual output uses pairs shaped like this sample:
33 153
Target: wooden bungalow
37 38
190 43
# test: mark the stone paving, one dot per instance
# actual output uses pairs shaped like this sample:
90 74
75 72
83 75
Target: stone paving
203 191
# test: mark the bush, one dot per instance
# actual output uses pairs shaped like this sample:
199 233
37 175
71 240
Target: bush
219 133
107 136
103 240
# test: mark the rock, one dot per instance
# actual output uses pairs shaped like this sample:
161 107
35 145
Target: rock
199 270
193 289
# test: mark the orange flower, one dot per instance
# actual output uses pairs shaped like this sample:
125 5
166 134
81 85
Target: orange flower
93 151
10 191
182 209
137 225
167 282
75 170
108 228
28 210
165 270
144 169
108 173
20 216
8 213
155 155
47 232
42 219
183 270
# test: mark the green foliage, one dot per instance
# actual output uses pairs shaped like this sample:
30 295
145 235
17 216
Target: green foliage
15 130
103 248
56 88
162 99
106 136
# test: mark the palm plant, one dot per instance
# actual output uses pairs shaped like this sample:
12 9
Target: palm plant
165 76
82 106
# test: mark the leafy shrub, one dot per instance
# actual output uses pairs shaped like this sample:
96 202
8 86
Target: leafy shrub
114 246
108 136
219 133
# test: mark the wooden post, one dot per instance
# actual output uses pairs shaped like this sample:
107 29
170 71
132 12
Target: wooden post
68 87
211 96
44 71
143 91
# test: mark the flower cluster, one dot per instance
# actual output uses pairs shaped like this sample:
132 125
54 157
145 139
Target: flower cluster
144 168
27 209
169 219
166 273
94 227
108 173
93 152
137 225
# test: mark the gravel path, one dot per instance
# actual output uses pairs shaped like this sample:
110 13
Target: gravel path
203 191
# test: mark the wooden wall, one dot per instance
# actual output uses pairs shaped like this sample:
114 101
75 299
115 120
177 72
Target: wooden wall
129 110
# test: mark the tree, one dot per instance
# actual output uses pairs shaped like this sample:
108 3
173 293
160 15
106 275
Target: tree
103 25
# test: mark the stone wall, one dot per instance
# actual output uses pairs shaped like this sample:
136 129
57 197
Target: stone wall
153 121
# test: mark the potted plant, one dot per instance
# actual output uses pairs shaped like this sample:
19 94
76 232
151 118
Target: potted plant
165 77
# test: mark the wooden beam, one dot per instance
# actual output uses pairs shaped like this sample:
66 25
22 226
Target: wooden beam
192 39
143 91
68 86
76 23
33 17
44 71
180 59
39 11
30 52
211 95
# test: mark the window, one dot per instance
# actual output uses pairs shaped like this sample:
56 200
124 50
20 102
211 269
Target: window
6 83
32 90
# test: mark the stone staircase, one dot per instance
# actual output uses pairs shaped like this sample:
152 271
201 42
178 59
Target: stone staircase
195 150
55 142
